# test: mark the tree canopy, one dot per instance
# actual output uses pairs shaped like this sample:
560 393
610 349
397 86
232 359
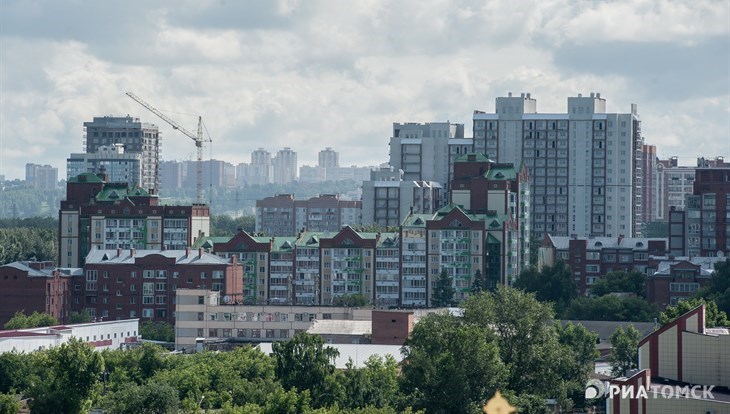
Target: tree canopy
610 308
625 353
443 293
619 282
550 284
713 316
36 319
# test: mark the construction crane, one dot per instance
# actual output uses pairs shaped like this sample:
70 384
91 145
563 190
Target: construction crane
198 138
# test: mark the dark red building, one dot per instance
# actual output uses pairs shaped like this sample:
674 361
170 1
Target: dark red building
34 286
122 284
674 280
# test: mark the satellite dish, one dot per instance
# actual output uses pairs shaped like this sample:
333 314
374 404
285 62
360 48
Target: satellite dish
226 299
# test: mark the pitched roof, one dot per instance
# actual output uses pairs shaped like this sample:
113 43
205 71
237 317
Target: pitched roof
180 256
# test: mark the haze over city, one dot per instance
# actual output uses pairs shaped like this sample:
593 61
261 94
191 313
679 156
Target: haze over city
321 73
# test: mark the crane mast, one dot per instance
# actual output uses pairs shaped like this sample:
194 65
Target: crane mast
198 138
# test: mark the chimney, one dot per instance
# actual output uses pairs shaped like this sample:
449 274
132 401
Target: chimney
620 238
200 252
119 252
187 251
131 252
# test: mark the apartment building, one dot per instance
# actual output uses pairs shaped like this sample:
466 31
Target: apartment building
101 215
111 160
387 198
282 215
285 166
705 225
589 258
670 279
32 286
558 150
347 264
41 177
425 152
650 169
130 283
135 136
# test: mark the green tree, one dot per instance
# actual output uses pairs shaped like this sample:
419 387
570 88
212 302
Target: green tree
610 308
718 290
443 293
625 350
305 363
351 300
550 284
37 319
478 284
577 358
713 316
150 398
450 365
73 372
9 404
620 281
79 317
157 331
17 244
225 225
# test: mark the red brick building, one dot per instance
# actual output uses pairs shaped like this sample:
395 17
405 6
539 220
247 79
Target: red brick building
121 284
34 286
391 327
677 279
591 258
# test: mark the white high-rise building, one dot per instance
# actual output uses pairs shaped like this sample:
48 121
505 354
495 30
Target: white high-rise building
584 165
329 158
285 166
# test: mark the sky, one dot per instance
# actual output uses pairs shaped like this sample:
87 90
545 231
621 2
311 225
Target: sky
315 74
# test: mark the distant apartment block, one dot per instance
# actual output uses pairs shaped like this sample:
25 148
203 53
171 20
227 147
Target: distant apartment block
259 172
703 228
328 158
101 215
282 215
135 136
171 175
285 166
41 177
589 258
649 168
585 165
317 174
119 166
387 199
216 173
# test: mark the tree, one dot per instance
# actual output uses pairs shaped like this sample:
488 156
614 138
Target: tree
578 357
37 319
305 363
713 316
150 398
550 284
351 300
620 281
450 365
79 317
74 371
9 404
443 293
625 352
718 290
478 284
225 225
157 331
610 308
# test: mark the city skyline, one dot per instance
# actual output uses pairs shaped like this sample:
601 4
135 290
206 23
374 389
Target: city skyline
322 74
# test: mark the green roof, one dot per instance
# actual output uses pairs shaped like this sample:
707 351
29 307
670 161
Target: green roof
416 220
201 241
501 173
283 244
309 239
119 191
388 240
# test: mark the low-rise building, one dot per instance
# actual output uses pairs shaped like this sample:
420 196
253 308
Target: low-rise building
101 335
31 286
674 279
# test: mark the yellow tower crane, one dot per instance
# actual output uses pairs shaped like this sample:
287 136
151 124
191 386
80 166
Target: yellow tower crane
198 138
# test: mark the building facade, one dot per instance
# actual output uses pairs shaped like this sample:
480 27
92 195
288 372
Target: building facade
558 150
41 177
328 158
101 215
111 160
649 168
135 136
31 286
282 215
387 198
130 283
100 335
285 166
671 280
592 257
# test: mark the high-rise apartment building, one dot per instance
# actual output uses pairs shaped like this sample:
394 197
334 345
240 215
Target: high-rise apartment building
41 177
135 136
285 166
111 160
329 158
171 175
675 182
387 198
259 172
282 215
584 165
216 173
704 226
425 152
649 163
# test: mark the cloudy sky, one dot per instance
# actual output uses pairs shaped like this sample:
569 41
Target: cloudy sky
311 74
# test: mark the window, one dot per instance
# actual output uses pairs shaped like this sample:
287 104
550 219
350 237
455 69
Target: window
147 313
201 300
